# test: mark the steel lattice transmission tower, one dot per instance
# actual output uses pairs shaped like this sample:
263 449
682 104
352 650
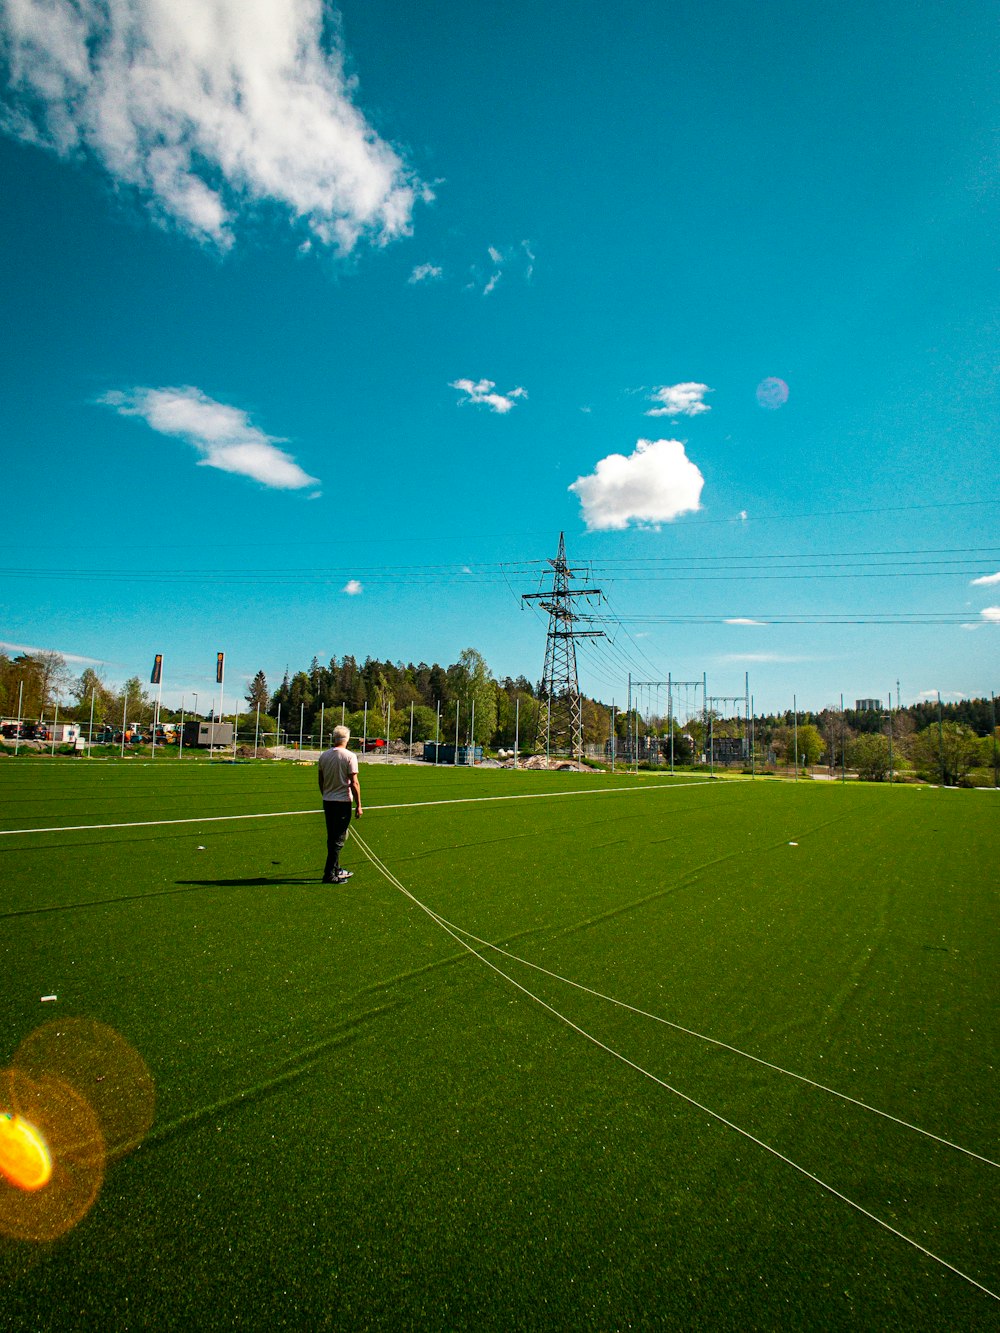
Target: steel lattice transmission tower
560 711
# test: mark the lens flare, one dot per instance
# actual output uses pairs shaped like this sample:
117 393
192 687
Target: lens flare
772 393
102 1068
76 1096
65 1127
25 1159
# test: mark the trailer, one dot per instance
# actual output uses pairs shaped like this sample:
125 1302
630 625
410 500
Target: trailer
207 735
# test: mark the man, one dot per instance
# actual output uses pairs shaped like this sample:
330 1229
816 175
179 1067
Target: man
338 781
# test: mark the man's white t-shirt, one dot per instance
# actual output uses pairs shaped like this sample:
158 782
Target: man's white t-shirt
336 768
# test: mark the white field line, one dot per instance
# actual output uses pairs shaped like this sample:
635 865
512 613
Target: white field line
646 1073
315 810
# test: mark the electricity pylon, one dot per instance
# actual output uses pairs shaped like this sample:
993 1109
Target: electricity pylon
560 709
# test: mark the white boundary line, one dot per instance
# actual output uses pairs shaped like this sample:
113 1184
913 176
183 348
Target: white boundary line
610 1050
316 810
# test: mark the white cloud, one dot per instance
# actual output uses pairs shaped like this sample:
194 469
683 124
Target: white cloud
679 400
743 620
424 273
991 614
222 435
986 581
352 587
67 657
482 391
207 106
742 515
654 485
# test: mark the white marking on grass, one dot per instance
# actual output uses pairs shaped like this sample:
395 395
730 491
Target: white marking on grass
646 1073
291 814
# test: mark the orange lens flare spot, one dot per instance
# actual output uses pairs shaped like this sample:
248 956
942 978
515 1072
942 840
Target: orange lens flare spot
24 1156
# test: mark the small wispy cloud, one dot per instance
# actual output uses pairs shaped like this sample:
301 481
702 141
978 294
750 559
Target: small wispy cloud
517 259
208 110
991 615
743 620
222 435
483 393
679 400
655 484
743 515
987 581
425 273
31 650
352 587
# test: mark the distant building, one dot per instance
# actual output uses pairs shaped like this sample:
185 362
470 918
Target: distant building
868 705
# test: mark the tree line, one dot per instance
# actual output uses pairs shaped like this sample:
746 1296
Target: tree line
394 700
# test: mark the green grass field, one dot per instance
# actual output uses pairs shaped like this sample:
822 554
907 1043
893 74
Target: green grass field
361 1125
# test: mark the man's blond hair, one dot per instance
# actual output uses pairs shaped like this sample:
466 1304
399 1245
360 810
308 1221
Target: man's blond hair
341 735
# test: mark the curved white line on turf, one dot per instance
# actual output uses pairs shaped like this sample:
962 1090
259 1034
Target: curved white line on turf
408 805
714 1041
775 1152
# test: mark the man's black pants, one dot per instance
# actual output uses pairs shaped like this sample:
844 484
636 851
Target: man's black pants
338 821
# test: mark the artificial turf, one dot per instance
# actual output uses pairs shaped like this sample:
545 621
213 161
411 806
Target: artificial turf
360 1125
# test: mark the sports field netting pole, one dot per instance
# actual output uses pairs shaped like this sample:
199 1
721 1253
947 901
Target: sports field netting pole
17 733
322 719
753 740
236 728
124 717
458 707
795 733
302 722
843 757
629 746
277 729
889 717
517 729
993 724
256 731
364 730
437 733
940 740
388 726
411 728
180 738
611 738
670 718
473 724
704 701
90 736
55 724
343 710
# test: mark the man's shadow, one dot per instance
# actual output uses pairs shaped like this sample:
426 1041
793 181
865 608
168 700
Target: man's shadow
254 881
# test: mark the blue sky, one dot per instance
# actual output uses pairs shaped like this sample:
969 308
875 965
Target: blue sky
322 325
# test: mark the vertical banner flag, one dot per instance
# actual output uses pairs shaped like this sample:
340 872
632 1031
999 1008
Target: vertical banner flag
220 659
157 671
